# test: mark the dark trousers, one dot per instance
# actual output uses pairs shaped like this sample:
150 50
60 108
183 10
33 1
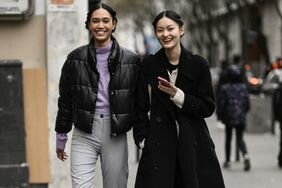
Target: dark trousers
239 129
280 144
178 181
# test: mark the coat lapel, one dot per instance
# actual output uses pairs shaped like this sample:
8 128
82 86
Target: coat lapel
161 60
186 66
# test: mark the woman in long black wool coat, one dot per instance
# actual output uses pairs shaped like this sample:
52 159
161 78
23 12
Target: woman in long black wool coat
177 150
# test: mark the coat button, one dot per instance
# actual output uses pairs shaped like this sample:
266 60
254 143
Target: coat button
114 134
157 143
158 119
155 166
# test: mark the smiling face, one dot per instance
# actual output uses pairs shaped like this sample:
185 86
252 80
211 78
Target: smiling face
168 33
101 26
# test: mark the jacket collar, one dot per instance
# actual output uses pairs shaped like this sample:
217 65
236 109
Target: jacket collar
113 59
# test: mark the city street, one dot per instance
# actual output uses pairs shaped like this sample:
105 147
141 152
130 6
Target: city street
42 40
263 149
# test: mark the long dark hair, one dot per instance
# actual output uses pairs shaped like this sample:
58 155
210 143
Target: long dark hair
104 6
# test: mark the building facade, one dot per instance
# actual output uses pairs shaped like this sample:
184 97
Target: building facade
251 30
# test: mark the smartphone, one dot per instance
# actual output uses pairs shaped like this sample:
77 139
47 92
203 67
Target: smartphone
164 81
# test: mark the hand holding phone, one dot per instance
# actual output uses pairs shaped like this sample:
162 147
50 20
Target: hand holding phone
164 81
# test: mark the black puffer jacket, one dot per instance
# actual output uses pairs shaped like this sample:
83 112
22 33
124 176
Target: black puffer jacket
78 89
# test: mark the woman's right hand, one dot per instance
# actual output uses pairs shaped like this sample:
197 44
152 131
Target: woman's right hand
170 90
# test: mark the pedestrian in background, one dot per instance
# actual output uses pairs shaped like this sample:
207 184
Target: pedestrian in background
97 96
178 151
222 76
232 107
241 67
277 110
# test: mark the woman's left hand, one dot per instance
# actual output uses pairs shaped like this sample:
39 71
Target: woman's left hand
171 90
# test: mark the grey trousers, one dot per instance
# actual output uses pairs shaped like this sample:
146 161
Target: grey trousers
113 152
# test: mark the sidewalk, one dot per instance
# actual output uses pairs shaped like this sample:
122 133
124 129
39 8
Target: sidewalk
263 150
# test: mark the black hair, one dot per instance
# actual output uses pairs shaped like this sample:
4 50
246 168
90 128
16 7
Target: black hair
236 58
224 64
278 58
234 74
98 6
169 14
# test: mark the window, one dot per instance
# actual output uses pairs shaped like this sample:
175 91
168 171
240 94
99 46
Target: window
11 9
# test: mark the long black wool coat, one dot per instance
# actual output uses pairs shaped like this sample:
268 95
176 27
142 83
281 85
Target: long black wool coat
166 157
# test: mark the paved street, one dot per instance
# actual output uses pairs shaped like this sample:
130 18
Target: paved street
263 149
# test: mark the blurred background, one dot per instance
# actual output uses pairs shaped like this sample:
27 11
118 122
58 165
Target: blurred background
37 35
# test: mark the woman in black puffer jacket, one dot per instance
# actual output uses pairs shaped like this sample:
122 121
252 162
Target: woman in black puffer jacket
97 96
